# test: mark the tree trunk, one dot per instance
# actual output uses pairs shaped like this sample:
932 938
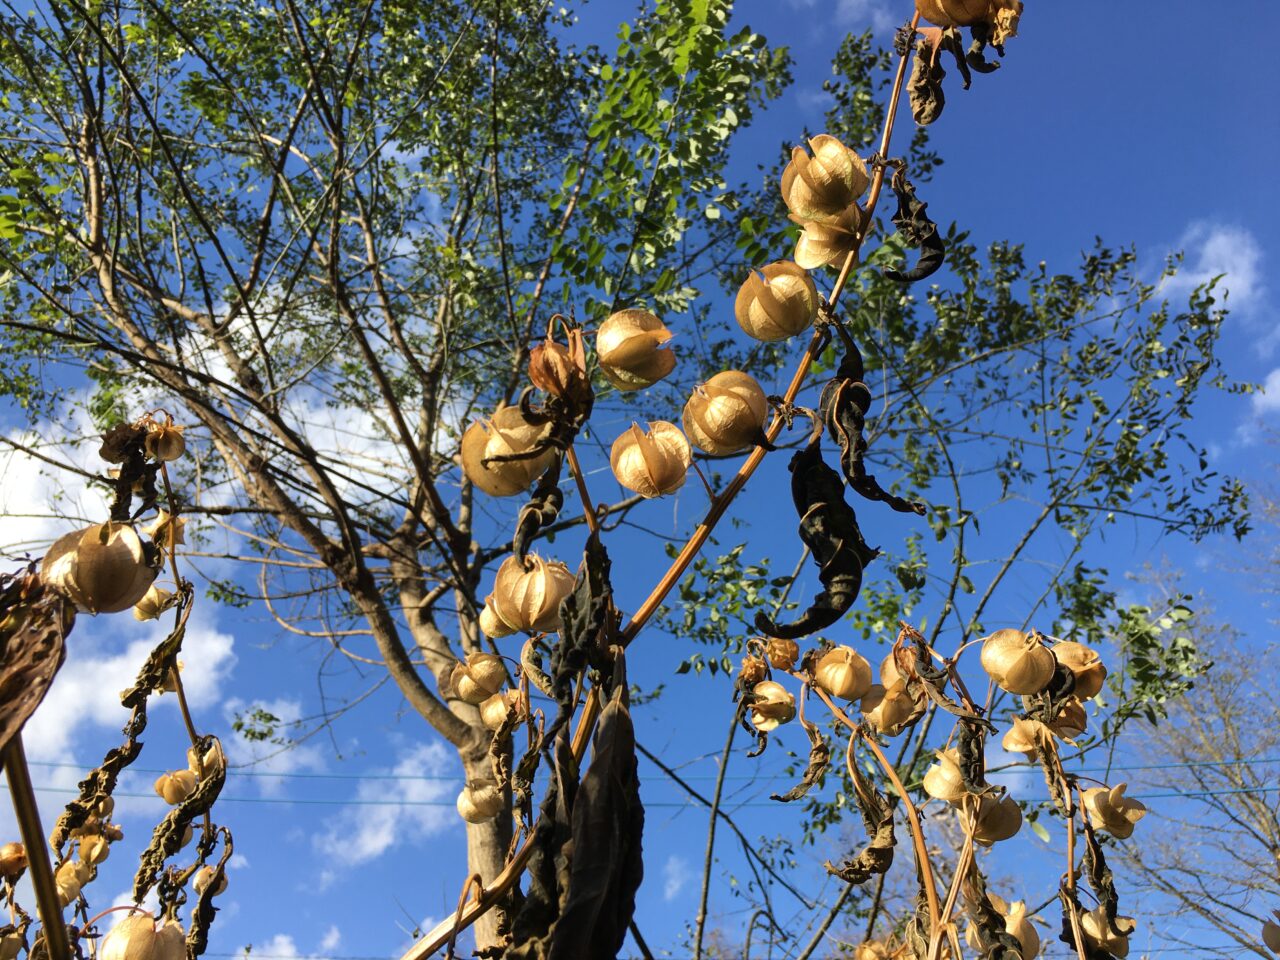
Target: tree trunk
487 845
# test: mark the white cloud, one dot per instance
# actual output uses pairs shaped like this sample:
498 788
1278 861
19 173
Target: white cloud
1234 254
851 13
331 940
267 761
675 873
281 945
1268 401
362 833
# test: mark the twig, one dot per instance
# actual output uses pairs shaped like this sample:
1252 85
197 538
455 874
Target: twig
711 831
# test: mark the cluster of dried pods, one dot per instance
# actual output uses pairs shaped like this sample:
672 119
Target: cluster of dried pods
108 568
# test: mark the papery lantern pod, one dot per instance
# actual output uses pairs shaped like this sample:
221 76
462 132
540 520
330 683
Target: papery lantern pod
1000 16
1110 810
628 346
1271 932
492 625
652 463
479 678
829 242
153 603
778 302
141 938
480 801
103 569
164 441
69 878
495 709
782 654
205 877
209 763
1085 665
13 861
166 530
843 673
943 780
771 706
999 818
726 414
94 849
552 368
528 598
506 434
1071 720
891 709
175 786
1017 661
1026 736
827 183
1097 929
889 672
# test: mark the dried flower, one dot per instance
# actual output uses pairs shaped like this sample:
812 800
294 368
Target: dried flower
627 345
776 303
1271 932
507 434
480 801
140 938
175 786
1099 932
164 441
1016 925
13 860
1026 736
495 709
205 877
943 780
527 598
479 678
166 530
153 603
103 569
1017 661
552 368
1110 810
826 184
492 625
782 654
843 673
94 849
891 708
771 705
751 671
998 819
1085 666
653 463
1071 720
824 242
726 414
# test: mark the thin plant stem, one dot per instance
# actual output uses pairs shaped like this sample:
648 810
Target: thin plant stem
825 925
709 859
588 509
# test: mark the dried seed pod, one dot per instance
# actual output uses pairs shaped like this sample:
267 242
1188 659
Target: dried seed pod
153 603
213 761
653 463
824 242
492 625
1016 925
494 710
205 877
943 780
479 678
726 414
998 819
843 673
69 879
1017 661
1001 16
889 672
94 849
175 786
773 706
141 938
782 654
1071 720
826 184
507 434
551 368
1026 736
11 945
628 347
480 801
164 441
1271 932
1097 930
13 860
166 530
103 568
750 672
1085 665
890 709
528 599
1110 810
776 303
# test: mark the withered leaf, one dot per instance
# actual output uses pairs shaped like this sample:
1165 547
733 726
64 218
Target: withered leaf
541 510
924 88
829 527
34 623
877 817
917 230
203 911
988 924
1071 907
1099 874
819 760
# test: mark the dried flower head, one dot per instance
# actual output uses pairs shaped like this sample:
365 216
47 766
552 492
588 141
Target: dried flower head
175 786
651 463
771 706
776 303
142 938
13 860
479 678
164 441
1085 665
751 671
480 801
527 598
1110 810
1101 934
506 434
103 568
826 184
552 368
1017 661
628 345
782 654
943 780
205 877
153 603
998 819
495 709
843 673
166 530
824 242
1026 736
726 414
890 709
1016 925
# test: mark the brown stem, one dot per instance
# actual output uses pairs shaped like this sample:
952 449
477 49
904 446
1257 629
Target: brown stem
711 832
588 508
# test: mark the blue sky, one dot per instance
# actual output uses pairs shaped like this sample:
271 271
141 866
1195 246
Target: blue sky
1103 121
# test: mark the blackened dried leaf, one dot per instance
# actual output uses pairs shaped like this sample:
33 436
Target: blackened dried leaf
987 922
541 510
1099 874
819 760
877 817
203 912
981 33
917 230
829 527
531 663
34 623
1071 907
121 442
924 89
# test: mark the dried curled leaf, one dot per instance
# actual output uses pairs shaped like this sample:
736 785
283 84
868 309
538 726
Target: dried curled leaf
924 88
34 623
916 230
877 816
541 510
987 923
819 760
